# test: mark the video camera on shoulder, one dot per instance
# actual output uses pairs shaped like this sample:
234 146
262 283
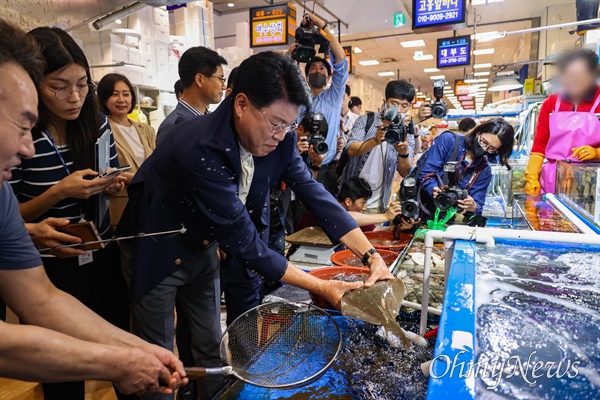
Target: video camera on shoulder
449 197
439 109
308 35
315 124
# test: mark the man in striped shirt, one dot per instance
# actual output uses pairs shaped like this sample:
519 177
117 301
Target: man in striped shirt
203 81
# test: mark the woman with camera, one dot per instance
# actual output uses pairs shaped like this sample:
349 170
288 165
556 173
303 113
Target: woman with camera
461 162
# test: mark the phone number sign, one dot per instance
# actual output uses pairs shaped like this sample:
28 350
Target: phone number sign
436 13
268 33
454 51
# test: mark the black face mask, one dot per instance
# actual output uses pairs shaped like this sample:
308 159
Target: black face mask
477 150
317 80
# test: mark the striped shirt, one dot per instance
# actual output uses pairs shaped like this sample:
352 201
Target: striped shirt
36 175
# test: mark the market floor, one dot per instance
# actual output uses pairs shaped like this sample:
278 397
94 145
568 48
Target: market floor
11 389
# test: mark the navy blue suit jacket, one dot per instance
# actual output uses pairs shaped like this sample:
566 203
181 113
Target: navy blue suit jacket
179 114
193 179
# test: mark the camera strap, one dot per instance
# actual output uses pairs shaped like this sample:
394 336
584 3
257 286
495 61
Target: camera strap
453 156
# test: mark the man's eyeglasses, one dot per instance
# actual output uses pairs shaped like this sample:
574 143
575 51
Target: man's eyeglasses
221 78
65 93
275 129
486 146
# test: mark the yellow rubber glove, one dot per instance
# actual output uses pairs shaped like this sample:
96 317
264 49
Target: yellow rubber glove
532 174
586 153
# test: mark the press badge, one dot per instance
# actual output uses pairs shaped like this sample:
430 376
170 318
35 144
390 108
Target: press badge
86 258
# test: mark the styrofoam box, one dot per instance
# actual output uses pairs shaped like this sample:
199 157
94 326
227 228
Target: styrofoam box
147 46
97 37
131 41
161 33
143 25
106 53
149 77
149 62
134 74
134 56
160 17
162 50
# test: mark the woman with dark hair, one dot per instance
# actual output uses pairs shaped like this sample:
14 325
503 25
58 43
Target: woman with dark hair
494 137
135 141
567 128
60 181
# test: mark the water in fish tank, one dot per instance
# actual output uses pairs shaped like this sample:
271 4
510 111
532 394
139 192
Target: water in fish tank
538 323
367 367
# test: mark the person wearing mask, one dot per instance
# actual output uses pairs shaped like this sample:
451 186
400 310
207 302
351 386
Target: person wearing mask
371 157
217 185
203 82
135 141
470 151
355 105
466 125
61 340
178 89
567 128
327 101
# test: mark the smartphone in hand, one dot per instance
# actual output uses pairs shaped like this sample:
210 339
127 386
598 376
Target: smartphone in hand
114 172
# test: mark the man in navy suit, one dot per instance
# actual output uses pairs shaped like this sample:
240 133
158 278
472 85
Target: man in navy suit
203 82
217 185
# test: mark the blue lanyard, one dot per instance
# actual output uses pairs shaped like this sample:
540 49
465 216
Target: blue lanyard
62 160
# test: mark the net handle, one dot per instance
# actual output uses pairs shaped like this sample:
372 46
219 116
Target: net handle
194 373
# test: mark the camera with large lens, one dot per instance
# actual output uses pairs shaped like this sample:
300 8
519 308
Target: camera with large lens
396 133
308 35
439 109
449 197
317 127
409 191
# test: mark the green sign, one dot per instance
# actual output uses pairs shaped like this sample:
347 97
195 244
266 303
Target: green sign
399 20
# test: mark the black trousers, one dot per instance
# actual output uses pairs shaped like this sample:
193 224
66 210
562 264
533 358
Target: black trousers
101 287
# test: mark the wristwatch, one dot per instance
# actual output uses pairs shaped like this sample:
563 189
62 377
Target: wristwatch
325 27
315 168
367 255
403 155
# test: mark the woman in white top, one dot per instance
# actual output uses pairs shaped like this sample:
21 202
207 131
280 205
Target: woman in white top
135 141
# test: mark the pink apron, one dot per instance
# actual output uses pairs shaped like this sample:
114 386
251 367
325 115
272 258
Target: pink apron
568 130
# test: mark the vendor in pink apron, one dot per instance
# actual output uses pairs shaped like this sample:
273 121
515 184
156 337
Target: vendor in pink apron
568 127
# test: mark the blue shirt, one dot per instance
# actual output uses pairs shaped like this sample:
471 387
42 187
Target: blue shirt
355 164
329 102
439 153
16 248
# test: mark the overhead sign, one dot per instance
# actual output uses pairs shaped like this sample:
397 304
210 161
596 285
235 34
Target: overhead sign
399 20
270 26
461 88
454 52
438 13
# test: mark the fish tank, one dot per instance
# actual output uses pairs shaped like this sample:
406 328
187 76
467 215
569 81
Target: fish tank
535 213
577 185
521 321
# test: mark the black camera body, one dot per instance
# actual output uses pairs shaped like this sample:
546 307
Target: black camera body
396 133
409 191
308 36
439 109
317 132
449 197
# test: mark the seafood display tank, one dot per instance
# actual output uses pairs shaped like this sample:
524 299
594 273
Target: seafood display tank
519 321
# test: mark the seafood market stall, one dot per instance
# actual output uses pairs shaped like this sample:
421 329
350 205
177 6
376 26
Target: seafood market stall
520 318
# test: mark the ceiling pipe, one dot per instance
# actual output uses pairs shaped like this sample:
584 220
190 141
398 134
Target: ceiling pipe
120 14
540 29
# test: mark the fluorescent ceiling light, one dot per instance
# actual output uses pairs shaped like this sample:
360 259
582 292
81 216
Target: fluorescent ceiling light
486 65
481 80
447 87
489 36
437 77
505 81
424 57
483 2
482 73
118 22
386 73
430 70
230 5
419 93
357 50
413 43
368 62
483 51
428 99
332 31
470 80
